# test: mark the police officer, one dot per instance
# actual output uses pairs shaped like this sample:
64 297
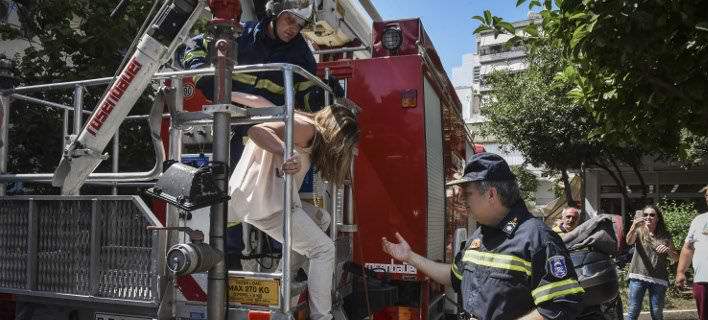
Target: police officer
513 266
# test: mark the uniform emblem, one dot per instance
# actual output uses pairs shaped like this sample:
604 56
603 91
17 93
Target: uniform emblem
476 243
558 266
511 225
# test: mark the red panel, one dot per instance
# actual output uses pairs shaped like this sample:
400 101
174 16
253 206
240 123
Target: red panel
390 182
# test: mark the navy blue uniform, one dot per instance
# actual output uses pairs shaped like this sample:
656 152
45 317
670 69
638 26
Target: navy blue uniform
506 271
255 46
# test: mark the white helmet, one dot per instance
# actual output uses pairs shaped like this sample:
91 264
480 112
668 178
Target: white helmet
299 8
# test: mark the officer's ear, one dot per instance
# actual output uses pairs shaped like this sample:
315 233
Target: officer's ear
491 193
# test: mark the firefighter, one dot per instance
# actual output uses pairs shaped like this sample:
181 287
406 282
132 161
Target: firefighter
513 266
274 39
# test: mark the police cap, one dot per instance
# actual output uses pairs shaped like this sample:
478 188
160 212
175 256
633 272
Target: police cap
485 166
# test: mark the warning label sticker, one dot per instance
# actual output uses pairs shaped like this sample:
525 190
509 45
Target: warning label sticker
261 292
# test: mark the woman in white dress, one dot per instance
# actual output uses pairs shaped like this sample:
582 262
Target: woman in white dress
326 139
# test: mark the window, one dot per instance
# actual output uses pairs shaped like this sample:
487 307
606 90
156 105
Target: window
476 77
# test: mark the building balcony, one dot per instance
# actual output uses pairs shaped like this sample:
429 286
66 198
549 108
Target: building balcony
508 55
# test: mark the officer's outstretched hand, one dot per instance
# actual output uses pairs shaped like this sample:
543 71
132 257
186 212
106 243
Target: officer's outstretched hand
400 251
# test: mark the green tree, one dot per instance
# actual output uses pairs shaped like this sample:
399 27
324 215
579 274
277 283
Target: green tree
70 40
531 113
528 183
640 68
678 216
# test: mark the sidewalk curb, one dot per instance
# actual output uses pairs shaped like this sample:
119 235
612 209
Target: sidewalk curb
685 314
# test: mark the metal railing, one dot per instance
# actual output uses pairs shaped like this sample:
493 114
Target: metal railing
235 116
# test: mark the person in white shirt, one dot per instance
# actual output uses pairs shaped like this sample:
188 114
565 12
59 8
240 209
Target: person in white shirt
696 248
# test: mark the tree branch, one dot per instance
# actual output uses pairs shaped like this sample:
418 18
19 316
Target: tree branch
566 188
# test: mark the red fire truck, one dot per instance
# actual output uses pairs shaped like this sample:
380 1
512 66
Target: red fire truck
106 265
413 140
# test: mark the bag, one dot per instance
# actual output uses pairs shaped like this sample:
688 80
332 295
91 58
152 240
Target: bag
597 274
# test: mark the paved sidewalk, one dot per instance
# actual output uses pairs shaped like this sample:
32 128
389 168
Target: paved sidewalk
689 314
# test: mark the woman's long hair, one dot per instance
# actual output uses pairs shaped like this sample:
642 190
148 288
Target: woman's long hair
336 136
661 232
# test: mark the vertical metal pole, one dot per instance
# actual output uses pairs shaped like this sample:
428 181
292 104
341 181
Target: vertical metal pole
333 203
114 160
4 133
65 129
78 108
348 219
217 274
288 201
224 64
175 149
328 96
333 188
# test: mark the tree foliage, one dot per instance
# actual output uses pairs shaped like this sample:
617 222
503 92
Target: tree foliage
639 67
69 40
678 216
531 113
526 111
528 183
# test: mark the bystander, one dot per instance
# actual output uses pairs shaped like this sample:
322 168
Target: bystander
695 249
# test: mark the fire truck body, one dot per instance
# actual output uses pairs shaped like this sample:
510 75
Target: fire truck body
412 132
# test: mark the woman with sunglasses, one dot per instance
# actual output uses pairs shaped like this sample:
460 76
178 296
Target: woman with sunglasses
648 269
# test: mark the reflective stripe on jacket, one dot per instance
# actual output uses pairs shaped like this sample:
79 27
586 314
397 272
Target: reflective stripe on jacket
255 46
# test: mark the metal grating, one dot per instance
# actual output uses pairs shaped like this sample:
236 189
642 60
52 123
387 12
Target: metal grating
125 253
63 246
13 244
79 247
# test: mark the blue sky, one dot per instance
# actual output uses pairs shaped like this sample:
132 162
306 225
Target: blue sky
449 23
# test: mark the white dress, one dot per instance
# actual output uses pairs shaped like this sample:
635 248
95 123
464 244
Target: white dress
256 188
257 193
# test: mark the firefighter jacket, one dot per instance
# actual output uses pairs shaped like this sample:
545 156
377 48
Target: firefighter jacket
255 46
508 270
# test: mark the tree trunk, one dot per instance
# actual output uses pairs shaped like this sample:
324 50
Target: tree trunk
641 181
566 188
619 174
622 186
583 192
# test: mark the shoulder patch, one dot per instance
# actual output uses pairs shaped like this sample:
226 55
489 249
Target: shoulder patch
557 266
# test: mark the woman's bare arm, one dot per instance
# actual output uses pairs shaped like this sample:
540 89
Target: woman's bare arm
270 136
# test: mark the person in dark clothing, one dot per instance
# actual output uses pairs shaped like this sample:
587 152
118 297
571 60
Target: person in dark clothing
513 266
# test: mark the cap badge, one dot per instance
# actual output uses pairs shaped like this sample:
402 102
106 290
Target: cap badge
476 244
511 225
